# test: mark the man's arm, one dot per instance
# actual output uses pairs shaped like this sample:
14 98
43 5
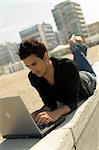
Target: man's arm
47 117
63 110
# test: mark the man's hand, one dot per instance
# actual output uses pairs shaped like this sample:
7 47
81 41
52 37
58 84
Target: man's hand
44 108
46 117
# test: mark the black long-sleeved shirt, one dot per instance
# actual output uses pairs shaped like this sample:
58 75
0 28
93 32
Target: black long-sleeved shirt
67 85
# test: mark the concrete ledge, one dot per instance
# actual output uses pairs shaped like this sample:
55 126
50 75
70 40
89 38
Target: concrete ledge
89 138
82 116
58 139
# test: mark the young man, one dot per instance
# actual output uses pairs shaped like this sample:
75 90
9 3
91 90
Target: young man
59 82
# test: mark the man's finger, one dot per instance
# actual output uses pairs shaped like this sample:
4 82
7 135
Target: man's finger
42 121
40 115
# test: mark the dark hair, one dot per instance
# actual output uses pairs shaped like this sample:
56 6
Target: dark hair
31 46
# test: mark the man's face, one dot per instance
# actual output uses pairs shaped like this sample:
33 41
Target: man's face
37 65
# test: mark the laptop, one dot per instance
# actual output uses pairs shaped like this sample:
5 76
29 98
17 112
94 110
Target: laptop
17 122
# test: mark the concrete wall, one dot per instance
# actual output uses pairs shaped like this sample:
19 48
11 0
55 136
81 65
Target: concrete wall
89 139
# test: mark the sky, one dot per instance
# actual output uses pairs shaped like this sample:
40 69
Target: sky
16 15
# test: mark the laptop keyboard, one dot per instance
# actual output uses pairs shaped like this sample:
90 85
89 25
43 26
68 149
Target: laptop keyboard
43 126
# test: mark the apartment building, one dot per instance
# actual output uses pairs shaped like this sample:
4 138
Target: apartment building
69 20
43 33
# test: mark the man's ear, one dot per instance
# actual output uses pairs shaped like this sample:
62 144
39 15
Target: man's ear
46 56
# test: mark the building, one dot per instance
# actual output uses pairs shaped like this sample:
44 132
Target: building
8 53
5 57
9 60
43 33
93 28
69 20
93 38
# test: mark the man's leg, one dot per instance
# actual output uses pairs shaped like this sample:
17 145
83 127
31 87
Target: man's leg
85 69
79 58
